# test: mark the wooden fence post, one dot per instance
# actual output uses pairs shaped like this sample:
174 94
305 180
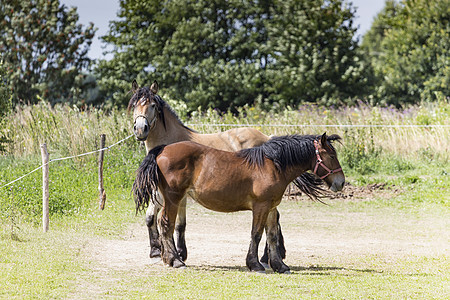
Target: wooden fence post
45 191
101 191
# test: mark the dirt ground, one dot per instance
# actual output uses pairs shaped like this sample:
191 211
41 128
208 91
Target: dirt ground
315 235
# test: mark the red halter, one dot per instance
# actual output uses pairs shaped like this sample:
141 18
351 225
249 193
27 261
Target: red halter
320 163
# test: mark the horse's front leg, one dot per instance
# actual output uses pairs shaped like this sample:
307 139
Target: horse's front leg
272 232
167 225
180 229
151 216
259 220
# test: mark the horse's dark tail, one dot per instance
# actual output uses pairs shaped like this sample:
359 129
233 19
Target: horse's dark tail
311 185
146 183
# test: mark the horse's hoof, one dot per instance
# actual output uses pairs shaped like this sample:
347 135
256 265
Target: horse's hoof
155 260
155 252
178 264
265 265
287 272
182 255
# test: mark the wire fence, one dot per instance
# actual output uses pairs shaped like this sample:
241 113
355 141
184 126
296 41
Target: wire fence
323 125
65 158
246 125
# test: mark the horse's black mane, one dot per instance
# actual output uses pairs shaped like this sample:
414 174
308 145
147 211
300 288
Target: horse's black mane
284 151
160 104
287 151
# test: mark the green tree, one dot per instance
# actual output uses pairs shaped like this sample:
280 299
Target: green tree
5 102
224 54
408 46
44 49
5 97
315 54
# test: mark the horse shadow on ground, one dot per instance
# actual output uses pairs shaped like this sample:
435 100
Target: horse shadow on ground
311 270
327 270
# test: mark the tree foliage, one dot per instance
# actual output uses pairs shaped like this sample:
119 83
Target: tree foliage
409 46
5 97
5 102
44 49
224 54
315 56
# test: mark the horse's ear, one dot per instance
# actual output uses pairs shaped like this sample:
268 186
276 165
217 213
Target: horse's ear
134 86
154 87
324 141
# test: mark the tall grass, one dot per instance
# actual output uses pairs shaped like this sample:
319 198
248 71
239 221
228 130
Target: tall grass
69 131
66 130
311 119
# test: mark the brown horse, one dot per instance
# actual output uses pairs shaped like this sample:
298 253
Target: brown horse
251 179
156 124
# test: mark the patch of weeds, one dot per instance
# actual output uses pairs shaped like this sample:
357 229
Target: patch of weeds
411 179
427 154
11 226
361 156
359 153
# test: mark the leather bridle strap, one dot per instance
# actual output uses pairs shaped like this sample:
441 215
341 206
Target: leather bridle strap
150 124
319 162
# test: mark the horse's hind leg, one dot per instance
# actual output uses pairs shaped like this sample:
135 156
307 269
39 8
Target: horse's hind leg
280 243
180 229
280 238
272 232
167 225
151 221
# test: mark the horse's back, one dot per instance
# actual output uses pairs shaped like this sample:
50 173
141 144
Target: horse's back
247 137
233 140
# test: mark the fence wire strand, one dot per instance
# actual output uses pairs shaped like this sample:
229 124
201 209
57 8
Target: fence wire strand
323 125
65 158
248 125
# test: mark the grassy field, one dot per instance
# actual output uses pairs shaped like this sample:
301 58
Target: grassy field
387 242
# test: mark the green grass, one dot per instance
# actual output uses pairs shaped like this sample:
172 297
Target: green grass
38 265
41 265
318 283
35 265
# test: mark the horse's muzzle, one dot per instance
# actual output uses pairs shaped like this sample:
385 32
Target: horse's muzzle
337 185
141 128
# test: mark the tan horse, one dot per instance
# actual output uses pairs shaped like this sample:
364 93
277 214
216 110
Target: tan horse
252 179
156 124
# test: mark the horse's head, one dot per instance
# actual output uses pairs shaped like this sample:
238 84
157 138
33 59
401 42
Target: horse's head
327 166
146 107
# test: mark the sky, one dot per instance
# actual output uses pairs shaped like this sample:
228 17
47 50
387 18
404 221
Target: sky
100 12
